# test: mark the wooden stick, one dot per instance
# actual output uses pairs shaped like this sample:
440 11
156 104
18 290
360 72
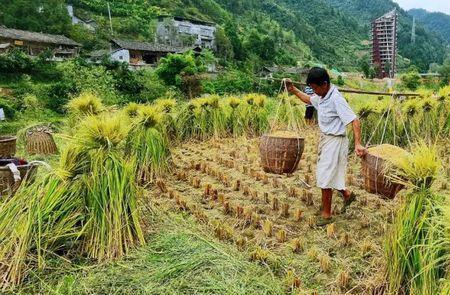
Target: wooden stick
347 90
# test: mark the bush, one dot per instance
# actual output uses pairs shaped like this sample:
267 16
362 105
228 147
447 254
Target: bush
232 81
56 96
152 87
95 79
17 62
411 80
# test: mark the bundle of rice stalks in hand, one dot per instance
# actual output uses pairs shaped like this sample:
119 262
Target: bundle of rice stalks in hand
36 224
148 144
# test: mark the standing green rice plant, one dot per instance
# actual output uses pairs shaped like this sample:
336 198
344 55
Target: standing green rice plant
36 223
148 144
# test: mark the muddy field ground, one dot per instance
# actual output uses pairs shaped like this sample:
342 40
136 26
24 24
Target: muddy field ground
271 218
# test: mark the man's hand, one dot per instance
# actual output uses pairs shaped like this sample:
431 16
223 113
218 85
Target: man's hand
360 150
289 85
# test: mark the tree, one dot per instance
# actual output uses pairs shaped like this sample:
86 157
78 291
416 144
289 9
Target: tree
411 80
231 31
444 71
224 46
49 16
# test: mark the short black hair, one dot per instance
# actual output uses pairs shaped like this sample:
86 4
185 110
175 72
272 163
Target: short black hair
318 76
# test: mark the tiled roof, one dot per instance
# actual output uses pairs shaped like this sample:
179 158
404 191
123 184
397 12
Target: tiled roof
36 37
146 46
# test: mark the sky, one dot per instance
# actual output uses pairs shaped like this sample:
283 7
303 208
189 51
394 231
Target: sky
430 5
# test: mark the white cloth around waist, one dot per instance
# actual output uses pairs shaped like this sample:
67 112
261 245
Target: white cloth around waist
332 162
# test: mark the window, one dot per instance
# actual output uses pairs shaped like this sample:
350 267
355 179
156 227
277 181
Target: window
205 32
184 29
121 57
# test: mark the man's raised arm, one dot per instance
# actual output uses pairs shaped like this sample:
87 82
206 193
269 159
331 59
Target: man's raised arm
292 89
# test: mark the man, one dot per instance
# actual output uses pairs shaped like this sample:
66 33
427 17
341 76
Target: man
334 114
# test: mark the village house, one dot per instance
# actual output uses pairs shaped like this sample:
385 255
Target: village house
77 19
33 43
139 54
177 31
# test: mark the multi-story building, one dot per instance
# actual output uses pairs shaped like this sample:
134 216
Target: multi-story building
181 32
384 44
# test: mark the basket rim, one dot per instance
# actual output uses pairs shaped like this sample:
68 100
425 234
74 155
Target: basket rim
296 137
5 138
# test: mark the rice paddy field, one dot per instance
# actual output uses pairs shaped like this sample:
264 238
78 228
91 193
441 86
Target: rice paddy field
170 198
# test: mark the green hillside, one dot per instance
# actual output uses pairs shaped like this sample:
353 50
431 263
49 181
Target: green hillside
437 22
255 32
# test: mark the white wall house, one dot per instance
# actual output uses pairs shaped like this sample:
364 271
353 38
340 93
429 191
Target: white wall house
177 31
90 24
121 55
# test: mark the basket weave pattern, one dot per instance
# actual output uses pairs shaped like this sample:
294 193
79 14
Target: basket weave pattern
375 181
280 155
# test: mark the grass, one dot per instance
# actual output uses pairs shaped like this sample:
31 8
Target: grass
179 258
414 250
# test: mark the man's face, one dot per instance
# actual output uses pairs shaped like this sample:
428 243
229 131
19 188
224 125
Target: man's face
320 90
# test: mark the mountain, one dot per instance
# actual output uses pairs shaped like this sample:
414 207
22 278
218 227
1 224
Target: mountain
437 22
250 32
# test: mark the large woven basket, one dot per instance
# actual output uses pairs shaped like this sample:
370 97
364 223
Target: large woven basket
375 180
40 143
280 154
7 146
7 184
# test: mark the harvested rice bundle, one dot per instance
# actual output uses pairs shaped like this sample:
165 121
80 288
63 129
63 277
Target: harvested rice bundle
392 154
39 220
284 134
85 104
148 144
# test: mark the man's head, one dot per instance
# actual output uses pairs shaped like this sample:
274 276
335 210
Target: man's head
319 80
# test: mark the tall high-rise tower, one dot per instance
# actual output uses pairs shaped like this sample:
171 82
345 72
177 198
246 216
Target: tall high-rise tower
384 44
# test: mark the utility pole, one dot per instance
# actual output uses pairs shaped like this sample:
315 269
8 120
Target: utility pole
413 31
110 21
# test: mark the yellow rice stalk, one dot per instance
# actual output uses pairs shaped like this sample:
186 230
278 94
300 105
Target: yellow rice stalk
86 103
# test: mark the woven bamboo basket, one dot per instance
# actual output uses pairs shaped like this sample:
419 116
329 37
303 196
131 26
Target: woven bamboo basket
375 180
7 146
7 184
280 154
40 143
